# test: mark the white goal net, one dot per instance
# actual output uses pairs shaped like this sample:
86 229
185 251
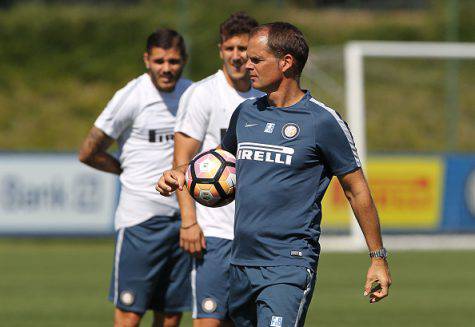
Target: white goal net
423 100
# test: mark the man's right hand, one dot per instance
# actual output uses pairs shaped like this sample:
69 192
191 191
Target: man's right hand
192 239
170 181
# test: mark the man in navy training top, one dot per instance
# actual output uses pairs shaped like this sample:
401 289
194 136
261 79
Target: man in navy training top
288 146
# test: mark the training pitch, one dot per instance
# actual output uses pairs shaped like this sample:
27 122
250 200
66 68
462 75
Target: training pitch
64 282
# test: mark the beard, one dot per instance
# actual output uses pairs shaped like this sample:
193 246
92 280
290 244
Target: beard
167 85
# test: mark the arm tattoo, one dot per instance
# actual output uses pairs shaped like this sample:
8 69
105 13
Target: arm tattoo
94 152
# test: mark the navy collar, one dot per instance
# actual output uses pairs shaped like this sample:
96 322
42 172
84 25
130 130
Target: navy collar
265 103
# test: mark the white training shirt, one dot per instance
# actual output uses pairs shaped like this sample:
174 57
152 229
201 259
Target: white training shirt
204 113
142 120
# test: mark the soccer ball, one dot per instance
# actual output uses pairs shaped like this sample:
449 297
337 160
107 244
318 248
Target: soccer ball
211 178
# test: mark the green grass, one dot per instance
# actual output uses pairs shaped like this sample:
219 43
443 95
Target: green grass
65 283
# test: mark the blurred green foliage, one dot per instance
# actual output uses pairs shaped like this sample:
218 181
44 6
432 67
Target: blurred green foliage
60 64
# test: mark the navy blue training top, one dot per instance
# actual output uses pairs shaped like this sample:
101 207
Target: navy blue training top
286 158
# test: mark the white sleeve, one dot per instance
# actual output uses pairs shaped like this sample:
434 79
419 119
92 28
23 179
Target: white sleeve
193 113
119 113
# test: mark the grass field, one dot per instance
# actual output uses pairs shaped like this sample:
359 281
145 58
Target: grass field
64 283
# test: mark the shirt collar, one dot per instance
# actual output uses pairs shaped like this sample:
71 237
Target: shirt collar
306 97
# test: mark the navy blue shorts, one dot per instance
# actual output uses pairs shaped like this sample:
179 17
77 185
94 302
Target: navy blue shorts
210 280
150 270
270 296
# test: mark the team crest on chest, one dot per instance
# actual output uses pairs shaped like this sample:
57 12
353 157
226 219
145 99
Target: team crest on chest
290 131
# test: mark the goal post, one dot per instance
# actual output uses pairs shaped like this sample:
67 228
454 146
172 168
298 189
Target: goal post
354 54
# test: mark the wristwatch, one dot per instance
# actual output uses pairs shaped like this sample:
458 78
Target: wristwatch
381 253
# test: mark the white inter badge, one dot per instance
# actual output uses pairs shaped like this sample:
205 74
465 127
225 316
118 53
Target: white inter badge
290 131
269 128
209 305
127 297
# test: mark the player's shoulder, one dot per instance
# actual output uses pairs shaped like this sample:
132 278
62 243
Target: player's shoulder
131 86
199 89
202 90
323 114
139 87
127 96
252 104
208 84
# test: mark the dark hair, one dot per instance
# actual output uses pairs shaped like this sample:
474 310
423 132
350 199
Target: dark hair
238 23
167 38
284 38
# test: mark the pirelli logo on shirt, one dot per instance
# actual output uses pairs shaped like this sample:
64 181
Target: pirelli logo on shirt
265 152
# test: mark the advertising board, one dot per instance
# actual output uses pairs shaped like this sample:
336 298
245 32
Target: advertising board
54 194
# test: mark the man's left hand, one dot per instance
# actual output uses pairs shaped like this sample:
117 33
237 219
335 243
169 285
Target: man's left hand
378 280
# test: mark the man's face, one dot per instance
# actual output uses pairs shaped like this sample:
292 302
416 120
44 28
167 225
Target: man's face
233 53
264 68
165 67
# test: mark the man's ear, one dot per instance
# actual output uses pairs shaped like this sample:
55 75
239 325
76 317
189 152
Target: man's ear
145 60
219 50
287 62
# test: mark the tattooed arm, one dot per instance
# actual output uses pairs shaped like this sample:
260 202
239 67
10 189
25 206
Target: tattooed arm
93 152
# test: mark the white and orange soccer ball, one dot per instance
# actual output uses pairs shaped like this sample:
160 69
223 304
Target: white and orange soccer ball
211 178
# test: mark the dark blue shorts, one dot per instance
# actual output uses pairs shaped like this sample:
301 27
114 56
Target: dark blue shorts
150 270
210 280
270 296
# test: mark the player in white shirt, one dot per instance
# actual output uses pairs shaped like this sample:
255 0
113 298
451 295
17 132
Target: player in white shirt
150 270
202 119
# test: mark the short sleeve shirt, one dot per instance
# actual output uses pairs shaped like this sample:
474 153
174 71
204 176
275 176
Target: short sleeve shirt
286 158
142 119
204 113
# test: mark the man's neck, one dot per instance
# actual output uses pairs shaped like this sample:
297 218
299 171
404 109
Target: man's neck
241 85
286 94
